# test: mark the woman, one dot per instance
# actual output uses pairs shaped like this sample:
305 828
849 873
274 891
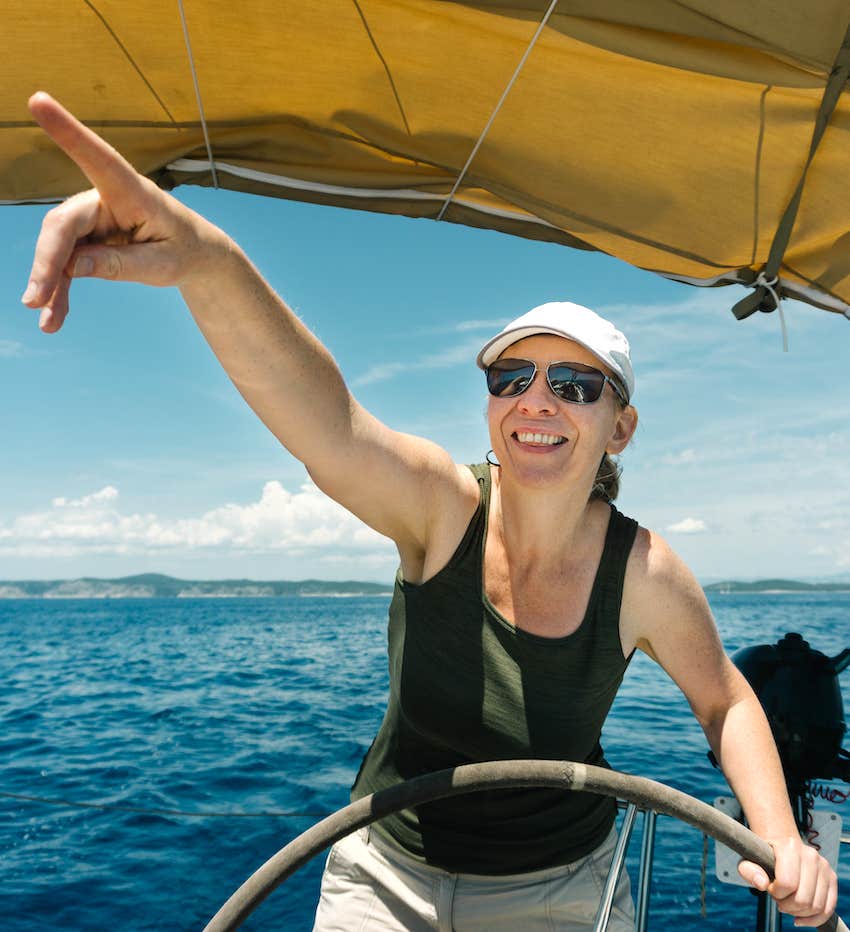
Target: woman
519 584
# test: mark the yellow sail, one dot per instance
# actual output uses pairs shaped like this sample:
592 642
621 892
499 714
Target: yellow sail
672 134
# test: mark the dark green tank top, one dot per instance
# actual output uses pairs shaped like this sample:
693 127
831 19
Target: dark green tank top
467 686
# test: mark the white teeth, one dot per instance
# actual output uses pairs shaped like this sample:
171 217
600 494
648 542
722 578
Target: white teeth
526 437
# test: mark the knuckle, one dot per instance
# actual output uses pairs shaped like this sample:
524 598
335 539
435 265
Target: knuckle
831 900
65 214
59 220
55 217
112 264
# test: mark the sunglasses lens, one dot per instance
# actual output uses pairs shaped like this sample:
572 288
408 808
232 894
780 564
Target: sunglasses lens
576 386
507 377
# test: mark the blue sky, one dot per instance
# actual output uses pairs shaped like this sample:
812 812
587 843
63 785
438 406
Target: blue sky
126 449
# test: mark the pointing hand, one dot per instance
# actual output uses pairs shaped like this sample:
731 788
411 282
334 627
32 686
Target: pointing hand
125 228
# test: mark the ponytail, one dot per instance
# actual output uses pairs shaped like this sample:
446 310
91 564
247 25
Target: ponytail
607 484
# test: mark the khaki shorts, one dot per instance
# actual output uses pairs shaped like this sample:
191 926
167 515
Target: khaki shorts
370 885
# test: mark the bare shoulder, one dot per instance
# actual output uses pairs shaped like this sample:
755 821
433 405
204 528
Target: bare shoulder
666 615
399 484
452 501
660 593
655 568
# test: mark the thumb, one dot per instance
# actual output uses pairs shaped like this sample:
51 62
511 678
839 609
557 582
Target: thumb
754 875
149 263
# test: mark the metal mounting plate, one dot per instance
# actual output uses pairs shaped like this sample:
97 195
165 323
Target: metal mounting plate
825 822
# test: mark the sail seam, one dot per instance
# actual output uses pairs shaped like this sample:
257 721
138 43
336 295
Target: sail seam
126 53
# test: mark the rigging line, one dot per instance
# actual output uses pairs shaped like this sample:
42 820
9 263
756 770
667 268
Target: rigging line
126 52
172 812
198 93
493 115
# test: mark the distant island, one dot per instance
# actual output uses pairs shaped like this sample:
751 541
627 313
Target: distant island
776 585
158 586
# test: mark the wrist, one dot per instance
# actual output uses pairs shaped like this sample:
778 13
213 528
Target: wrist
213 261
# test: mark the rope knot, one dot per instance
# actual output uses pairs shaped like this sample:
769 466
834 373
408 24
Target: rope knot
764 288
766 297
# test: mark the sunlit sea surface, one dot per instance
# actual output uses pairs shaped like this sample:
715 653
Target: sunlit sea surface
221 706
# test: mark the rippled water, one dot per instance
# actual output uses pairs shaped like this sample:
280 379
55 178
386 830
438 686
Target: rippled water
267 705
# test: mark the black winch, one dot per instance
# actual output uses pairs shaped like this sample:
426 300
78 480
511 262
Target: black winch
799 691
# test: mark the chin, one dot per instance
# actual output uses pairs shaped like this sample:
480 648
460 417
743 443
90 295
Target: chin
535 474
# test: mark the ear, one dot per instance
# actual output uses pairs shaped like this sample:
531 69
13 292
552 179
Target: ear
624 428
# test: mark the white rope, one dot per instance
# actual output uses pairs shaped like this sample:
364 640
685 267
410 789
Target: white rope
771 286
493 115
198 93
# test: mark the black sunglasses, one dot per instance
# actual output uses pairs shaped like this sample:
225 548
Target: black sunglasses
570 381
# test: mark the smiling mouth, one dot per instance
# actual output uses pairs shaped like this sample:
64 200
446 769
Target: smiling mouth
549 440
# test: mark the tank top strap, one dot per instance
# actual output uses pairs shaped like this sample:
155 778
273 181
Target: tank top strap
481 471
612 567
465 563
472 545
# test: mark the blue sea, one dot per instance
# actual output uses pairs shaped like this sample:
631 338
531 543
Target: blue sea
250 717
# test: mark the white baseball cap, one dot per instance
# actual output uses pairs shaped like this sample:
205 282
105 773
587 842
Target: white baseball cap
577 323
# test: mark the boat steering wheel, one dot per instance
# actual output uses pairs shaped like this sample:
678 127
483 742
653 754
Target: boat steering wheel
566 775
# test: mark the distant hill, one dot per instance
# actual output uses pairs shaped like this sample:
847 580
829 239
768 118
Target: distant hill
158 586
777 585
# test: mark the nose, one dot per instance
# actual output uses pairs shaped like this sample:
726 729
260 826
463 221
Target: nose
538 397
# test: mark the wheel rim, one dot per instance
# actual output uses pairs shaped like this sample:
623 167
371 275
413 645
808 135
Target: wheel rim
471 778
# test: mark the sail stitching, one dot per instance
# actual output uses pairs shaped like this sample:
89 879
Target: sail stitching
198 93
495 112
126 53
385 64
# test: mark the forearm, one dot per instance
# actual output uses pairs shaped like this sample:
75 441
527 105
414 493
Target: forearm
125 228
671 619
293 384
743 744
284 373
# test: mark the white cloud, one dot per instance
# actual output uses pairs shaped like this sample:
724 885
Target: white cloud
467 326
444 359
10 348
837 550
464 326
305 522
106 494
682 458
687 526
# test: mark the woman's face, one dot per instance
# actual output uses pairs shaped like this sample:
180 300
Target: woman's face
539 438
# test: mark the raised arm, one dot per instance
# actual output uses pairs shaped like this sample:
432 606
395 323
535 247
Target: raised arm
665 614
127 229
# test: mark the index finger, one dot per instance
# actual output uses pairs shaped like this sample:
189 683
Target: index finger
789 870
104 166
